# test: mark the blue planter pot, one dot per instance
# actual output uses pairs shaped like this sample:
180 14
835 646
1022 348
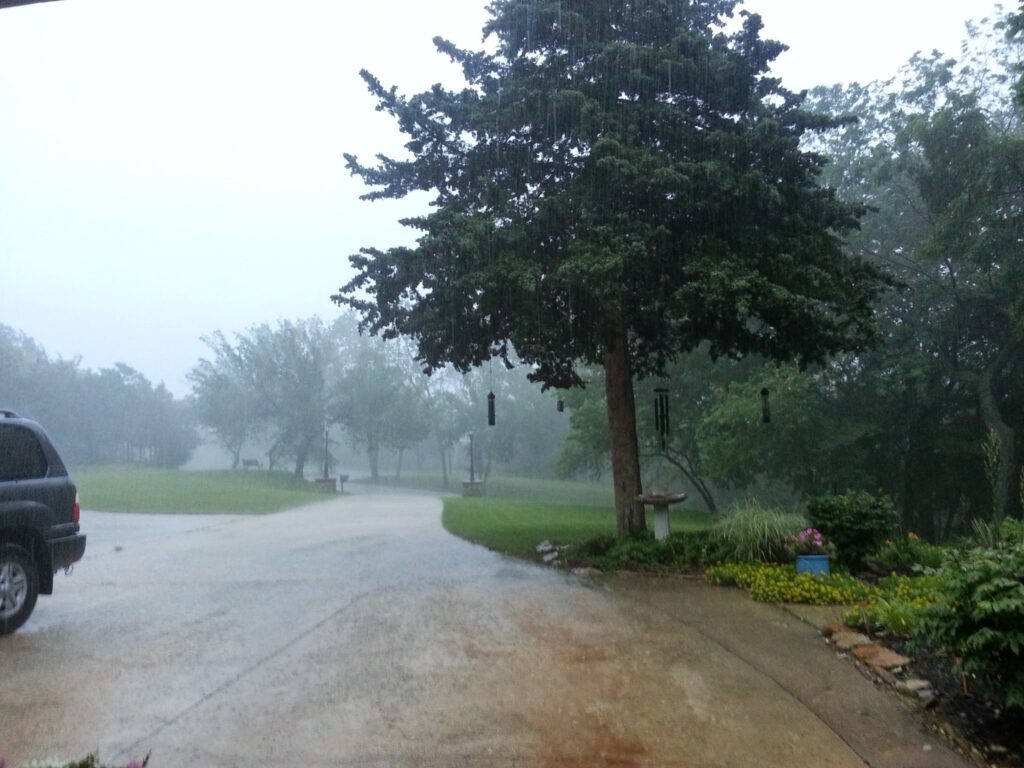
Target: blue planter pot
816 565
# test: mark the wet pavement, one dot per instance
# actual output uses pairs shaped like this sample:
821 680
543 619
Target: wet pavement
356 632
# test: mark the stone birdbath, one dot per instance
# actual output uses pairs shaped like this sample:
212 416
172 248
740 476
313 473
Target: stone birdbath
661 501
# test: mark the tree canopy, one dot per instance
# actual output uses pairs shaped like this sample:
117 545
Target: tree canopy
618 182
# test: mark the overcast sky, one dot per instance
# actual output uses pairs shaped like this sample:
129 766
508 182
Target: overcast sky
172 168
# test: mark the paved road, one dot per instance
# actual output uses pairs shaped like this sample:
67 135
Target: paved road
356 632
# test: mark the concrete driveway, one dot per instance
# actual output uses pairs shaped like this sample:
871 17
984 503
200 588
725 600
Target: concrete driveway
356 632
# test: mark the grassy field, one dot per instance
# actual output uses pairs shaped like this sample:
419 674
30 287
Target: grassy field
131 489
571 492
517 526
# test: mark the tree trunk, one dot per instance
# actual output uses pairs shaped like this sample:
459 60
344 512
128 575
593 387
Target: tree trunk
300 458
398 469
236 456
373 452
618 378
444 466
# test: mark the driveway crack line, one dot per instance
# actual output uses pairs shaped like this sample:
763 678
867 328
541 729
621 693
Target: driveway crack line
135 745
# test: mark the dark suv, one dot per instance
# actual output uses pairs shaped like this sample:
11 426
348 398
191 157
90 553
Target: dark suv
38 518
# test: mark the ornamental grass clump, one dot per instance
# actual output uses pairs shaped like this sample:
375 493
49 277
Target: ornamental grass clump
755 533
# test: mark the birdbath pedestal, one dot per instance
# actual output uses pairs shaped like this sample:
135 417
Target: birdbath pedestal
661 502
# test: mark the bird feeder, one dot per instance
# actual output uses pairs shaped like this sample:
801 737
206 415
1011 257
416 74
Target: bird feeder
490 409
766 414
661 414
560 405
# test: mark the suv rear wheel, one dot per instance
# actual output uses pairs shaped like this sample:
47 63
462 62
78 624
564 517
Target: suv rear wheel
19 587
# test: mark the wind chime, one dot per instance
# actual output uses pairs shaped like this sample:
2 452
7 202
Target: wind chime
766 414
560 405
490 409
661 414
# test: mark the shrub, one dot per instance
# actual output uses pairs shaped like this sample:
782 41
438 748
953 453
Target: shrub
768 583
979 618
642 553
755 533
857 523
906 554
898 607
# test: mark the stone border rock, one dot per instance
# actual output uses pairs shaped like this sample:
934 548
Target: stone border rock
881 663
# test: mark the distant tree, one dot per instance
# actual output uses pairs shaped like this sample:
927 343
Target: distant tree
117 414
289 369
619 182
938 154
224 396
376 399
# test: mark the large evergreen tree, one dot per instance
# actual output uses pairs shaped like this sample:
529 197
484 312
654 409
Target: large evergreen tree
619 181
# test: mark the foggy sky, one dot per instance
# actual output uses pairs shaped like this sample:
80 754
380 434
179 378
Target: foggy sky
169 169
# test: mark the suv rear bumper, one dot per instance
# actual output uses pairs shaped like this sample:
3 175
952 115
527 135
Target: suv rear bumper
66 551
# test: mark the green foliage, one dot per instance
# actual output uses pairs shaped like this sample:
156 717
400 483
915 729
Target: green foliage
979 618
937 152
857 523
681 551
774 583
1008 533
907 554
754 532
808 442
991 450
567 176
898 605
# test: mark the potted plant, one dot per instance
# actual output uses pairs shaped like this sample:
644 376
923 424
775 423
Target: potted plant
811 552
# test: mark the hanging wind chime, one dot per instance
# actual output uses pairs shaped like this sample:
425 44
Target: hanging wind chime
766 414
490 409
661 414
560 405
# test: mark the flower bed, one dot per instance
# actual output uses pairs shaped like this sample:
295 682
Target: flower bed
770 583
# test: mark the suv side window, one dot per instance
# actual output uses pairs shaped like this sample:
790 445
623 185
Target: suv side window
21 455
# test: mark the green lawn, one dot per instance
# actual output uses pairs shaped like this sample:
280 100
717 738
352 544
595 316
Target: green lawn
573 492
131 489
515 526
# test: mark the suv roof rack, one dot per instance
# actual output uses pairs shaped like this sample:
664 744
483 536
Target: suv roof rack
8 414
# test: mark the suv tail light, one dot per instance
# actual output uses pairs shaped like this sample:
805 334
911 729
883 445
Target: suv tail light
76 511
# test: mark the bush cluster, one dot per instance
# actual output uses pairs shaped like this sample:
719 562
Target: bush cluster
679 551
770 583
898 606
907 554
857 523
978 619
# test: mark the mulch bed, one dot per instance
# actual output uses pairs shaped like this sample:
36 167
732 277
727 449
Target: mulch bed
978 724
